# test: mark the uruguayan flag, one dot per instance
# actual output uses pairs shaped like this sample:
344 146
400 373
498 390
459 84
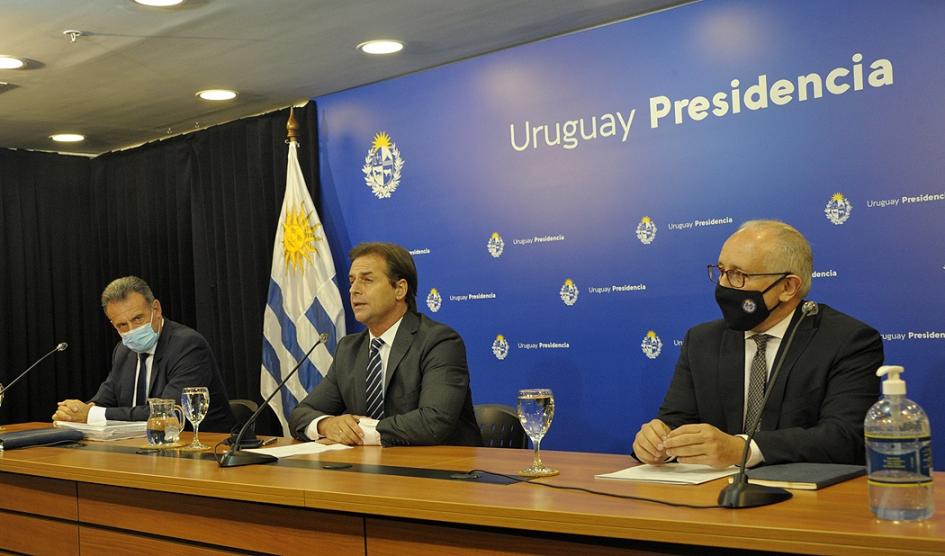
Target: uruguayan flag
303 299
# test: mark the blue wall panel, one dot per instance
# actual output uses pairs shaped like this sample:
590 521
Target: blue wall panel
464 178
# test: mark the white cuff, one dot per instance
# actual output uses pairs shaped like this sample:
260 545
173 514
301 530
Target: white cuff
755 457
311 431
369 428
96 415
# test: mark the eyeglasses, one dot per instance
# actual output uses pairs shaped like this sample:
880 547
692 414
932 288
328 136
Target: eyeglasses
737 278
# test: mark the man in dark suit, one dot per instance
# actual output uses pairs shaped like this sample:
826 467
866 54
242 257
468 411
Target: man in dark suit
157 358
404 380
825 387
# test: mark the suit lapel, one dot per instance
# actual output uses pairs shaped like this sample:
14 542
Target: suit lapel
157 362
772 413
362 354
731 379
402 341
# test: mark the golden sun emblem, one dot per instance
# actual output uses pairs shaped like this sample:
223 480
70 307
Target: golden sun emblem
837 197
646 220
381 140
298 239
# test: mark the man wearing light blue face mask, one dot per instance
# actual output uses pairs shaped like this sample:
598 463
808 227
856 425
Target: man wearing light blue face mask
157 358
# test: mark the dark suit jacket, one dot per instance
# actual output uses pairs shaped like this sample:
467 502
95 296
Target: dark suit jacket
816 410
427 398
182 358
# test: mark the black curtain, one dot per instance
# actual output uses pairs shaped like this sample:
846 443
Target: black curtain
195 216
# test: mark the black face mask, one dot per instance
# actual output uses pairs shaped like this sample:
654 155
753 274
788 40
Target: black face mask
744 309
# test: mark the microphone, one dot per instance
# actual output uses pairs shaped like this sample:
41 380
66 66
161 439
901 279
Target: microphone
234 457
61 347
741 493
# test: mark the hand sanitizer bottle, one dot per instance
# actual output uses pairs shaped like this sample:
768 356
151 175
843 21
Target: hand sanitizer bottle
898 453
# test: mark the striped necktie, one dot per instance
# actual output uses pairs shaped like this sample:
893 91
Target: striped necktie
756 383
375 381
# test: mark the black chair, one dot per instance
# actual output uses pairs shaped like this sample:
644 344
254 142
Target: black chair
500 426
242 411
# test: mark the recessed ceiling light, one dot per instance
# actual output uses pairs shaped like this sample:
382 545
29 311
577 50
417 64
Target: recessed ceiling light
11 62
216 94
67 137
159 3
381 47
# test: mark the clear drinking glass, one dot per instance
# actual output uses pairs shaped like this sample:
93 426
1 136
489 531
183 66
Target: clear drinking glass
196 401
536 409
1 400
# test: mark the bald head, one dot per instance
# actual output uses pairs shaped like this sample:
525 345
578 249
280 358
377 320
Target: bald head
779 247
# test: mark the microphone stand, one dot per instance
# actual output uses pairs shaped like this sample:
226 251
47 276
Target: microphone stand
741 493
61 347
234 457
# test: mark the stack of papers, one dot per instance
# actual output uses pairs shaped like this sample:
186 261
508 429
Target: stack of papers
672 473
110 430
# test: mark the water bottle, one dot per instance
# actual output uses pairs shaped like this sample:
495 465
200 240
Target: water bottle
898 453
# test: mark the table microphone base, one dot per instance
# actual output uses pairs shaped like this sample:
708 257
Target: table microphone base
235 458
746 495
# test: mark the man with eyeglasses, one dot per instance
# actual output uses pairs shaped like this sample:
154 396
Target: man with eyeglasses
156 358
826 384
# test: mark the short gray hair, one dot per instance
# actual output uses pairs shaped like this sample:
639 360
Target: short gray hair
120 288
790 250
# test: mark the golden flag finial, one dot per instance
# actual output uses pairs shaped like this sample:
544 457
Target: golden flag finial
292 126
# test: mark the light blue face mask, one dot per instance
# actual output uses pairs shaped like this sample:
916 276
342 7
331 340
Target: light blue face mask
141 339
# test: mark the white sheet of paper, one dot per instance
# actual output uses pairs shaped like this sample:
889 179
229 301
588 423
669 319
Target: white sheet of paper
673 473
303 448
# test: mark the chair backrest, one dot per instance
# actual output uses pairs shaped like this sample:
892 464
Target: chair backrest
500 426
242 410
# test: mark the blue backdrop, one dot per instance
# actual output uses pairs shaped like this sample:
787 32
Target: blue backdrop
562 198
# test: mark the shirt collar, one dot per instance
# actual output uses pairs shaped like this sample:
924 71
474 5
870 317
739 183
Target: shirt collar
776 331
389 334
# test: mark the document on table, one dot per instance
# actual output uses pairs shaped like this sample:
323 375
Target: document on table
672 473
110 430
301 449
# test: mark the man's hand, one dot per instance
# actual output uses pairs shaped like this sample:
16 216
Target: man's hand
705 444
342 429
72 410
648 443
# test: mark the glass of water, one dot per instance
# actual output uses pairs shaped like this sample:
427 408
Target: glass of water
196 401
536 409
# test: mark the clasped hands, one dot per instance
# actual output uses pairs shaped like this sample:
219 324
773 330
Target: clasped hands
76 411
701 443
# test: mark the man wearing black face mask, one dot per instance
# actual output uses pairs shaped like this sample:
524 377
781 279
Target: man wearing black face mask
826 384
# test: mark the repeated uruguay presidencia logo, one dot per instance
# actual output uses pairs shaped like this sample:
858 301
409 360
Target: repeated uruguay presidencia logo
838 209
495 245
646 230
569 292
500 347
434 301
382 166
651 345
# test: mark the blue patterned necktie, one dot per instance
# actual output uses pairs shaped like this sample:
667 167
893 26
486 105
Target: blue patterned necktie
141 387
756 383
375 382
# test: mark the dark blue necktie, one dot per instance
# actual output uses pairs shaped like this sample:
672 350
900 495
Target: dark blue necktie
141 387
375 381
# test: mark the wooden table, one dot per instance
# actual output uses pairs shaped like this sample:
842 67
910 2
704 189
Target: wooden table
104 496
